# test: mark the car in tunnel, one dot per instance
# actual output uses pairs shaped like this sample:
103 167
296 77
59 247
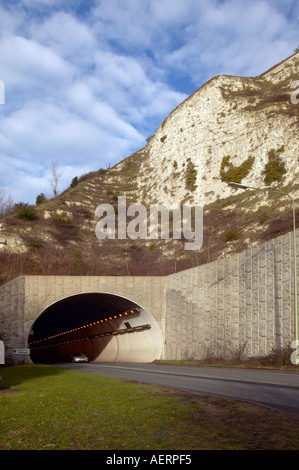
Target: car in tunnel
79 357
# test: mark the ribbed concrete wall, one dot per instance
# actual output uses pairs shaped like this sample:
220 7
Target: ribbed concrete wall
23 299
12 327
42 291
246 299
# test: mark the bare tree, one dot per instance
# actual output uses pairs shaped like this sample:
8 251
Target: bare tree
56 174
6 202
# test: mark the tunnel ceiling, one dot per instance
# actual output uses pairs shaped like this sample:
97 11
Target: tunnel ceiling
102 326
72 311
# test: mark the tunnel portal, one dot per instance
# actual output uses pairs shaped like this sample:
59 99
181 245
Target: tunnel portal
105 327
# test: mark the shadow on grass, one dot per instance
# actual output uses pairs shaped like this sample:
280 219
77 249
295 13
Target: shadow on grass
12 376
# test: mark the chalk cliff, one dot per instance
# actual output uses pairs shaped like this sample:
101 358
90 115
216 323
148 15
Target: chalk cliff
232 129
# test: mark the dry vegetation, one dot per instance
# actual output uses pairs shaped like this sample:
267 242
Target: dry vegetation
65 243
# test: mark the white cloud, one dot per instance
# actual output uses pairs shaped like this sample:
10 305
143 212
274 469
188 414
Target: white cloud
87 83
44 5
233 37
124 84
69 37
53 132
9 21
30 71
122 21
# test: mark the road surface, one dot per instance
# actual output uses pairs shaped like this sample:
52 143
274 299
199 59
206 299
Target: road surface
275 389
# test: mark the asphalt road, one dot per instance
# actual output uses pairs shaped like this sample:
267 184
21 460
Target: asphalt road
275 389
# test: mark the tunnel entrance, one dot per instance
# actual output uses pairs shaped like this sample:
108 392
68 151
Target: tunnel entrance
105 327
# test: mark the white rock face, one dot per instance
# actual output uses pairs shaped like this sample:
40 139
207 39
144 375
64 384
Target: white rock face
47 215
234 116
228 116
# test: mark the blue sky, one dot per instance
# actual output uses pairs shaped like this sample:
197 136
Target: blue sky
87 82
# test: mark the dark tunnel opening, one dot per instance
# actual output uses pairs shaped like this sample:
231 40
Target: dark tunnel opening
105 327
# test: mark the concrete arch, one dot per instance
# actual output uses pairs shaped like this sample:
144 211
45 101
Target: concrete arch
247 298
105 326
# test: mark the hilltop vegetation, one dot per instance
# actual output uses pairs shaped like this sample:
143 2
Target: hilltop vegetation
247 135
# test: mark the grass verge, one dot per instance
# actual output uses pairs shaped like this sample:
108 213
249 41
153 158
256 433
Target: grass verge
45 407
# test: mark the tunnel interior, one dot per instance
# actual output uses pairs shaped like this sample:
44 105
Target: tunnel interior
105 327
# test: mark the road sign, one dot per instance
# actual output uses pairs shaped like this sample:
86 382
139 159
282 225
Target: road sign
21 351
2 354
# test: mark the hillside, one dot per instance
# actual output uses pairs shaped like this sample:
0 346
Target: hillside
231 129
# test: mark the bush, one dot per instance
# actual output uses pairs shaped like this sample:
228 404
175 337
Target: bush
36 244
235 174
191 174
74 182
40 199
231 235
63 219
275 168
25 211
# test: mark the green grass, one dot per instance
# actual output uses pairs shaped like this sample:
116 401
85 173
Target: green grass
52 408
45 408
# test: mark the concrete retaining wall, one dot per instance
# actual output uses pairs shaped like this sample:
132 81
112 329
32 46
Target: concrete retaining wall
12 301
42 291
244 300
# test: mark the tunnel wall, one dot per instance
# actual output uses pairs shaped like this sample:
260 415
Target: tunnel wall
243 301
12 326
23 299
136 346
148 292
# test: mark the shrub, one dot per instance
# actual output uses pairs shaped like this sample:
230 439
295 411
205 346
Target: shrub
190 177
235 174
225 162
40 199
25 211
231 235
275 168
77 263
63 219
152 247
74 182
36 244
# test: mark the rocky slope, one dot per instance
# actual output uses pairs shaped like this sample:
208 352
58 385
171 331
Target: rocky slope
228 116
231 129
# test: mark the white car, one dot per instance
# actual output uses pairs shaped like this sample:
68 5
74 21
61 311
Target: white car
79 357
